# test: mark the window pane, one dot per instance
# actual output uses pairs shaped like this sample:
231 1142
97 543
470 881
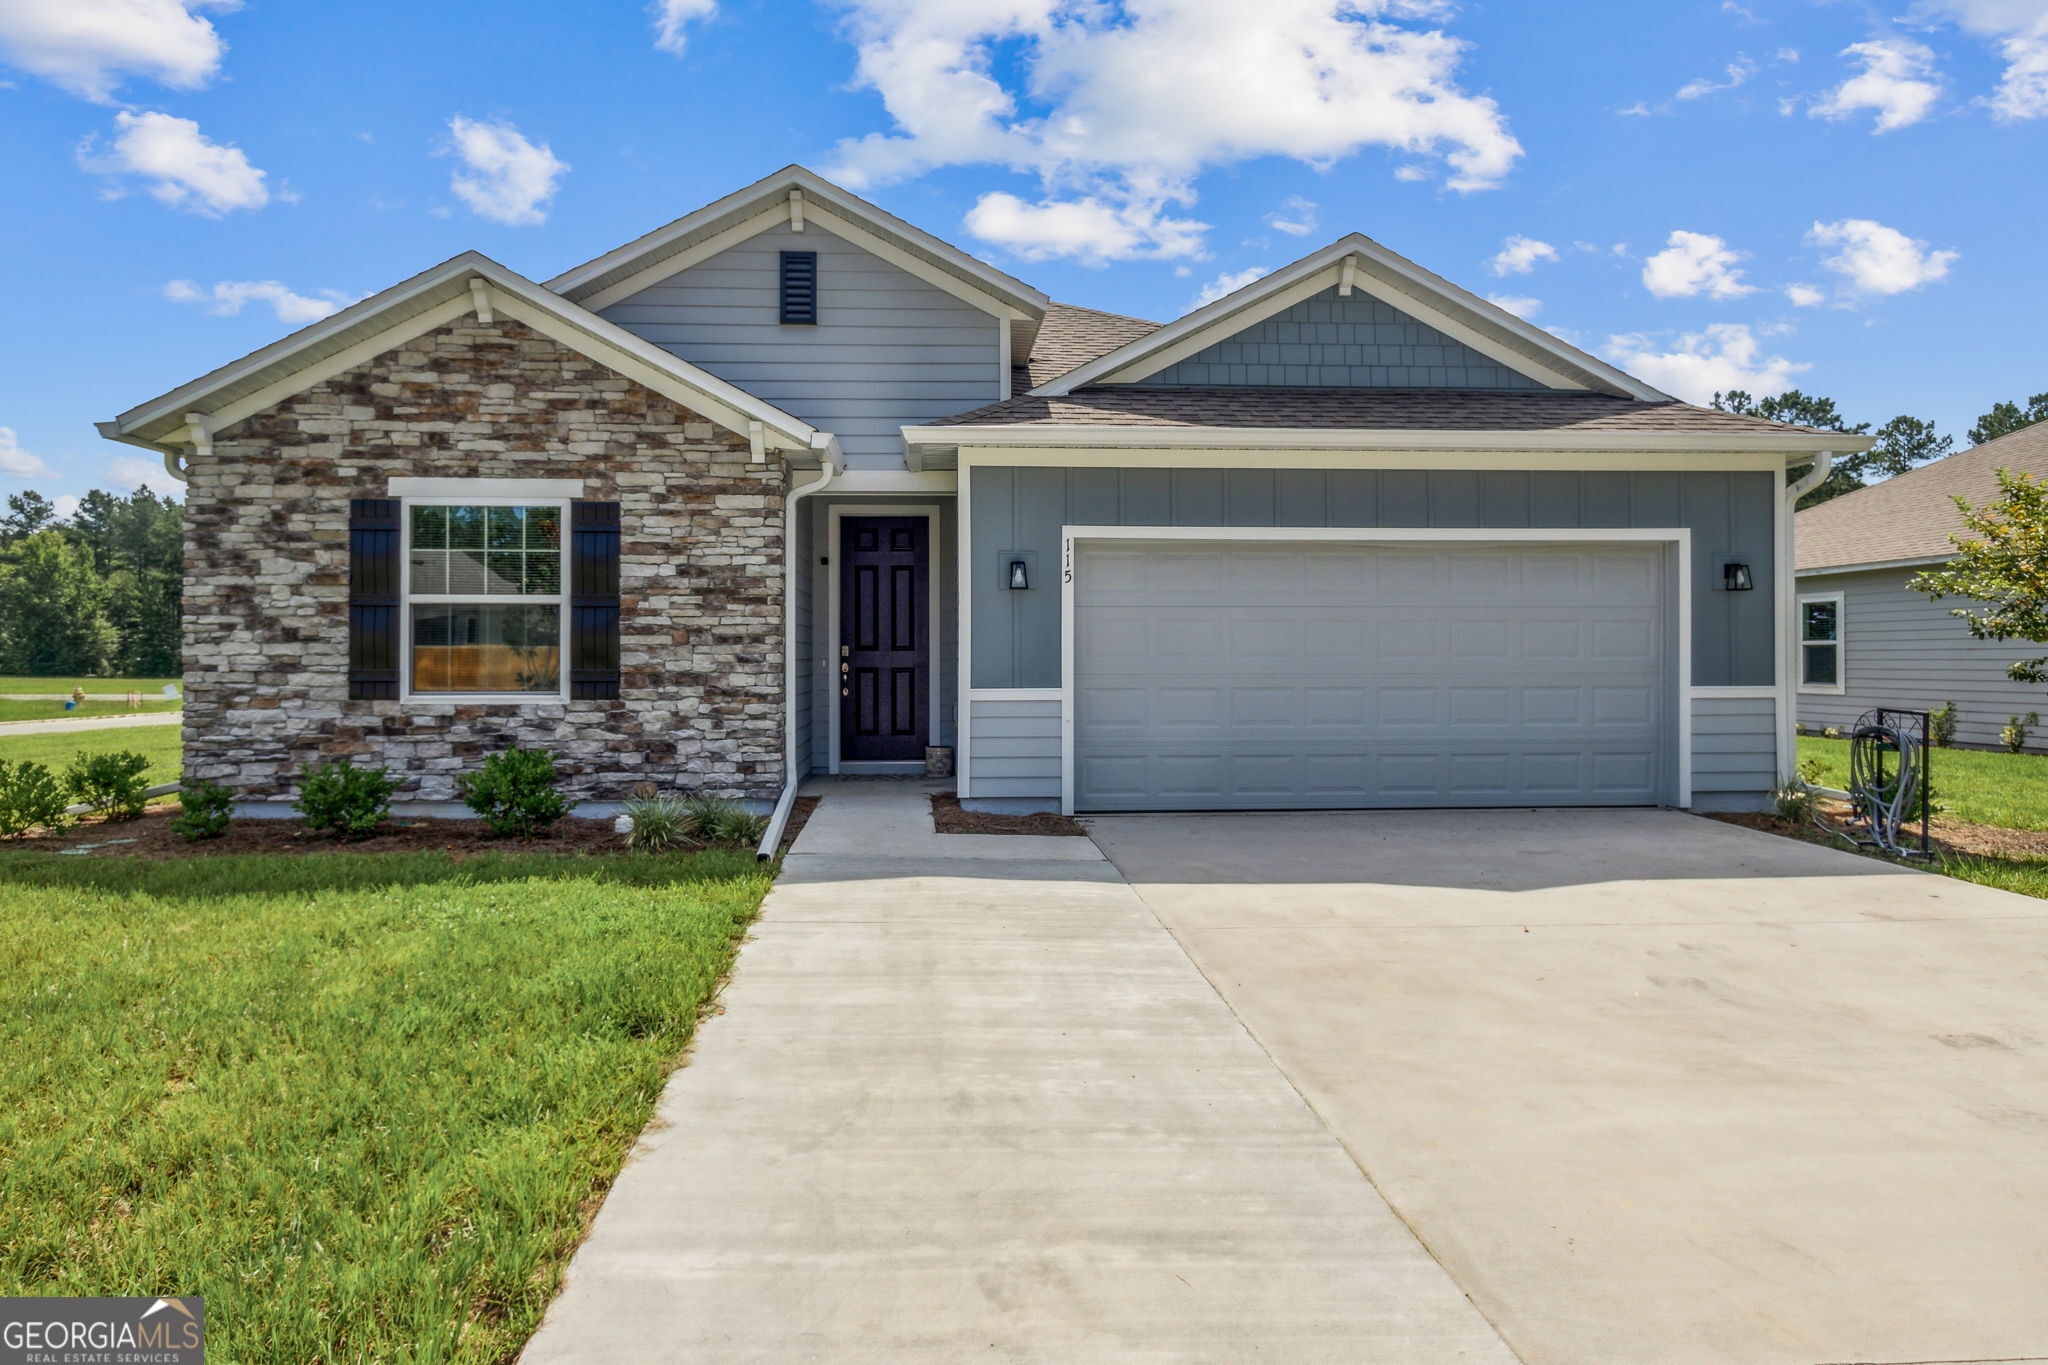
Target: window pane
430 570
1823 666
465 572
544 573
465 528
486 648
430 528
1821 620
508 574
507 528
543 528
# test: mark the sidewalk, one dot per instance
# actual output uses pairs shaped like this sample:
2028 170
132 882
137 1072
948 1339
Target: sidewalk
968 1100
55 727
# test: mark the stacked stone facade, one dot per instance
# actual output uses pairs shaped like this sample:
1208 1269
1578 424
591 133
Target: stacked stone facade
267 573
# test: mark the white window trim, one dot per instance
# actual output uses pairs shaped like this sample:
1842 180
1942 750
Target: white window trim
406 600
1677 538
1800 644
935 595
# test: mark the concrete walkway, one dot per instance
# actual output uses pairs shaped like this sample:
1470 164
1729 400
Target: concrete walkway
969 1101
55 727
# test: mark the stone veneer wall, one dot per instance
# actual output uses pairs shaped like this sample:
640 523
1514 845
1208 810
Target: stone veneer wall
266 575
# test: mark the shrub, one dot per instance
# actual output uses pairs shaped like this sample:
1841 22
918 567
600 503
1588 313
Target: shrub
715 820
30 795
514 792
659 823
663 822
1795 801
349 800
204 809
2014 735
1941 725
109 783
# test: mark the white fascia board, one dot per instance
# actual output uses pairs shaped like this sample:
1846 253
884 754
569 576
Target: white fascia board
1788 447
1922 562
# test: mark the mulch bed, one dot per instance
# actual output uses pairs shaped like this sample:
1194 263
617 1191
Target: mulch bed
1954 838
799 816
152 837
948 817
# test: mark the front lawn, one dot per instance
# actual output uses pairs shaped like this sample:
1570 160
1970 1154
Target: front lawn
2007 790
363 1103
162 745
52 708
51 687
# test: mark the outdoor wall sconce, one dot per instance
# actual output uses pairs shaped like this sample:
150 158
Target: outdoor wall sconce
1020 576
1735 578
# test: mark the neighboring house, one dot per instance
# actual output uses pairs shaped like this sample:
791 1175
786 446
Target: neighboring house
1867 638
790 486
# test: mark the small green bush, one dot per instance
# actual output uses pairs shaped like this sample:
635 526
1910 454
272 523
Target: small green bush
1941 725
1795 801
204 810
659 823
110 783
664 822
514 792
30 795
2014 735
1810 771
349 800
715 820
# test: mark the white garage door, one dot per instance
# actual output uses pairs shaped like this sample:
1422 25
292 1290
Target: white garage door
1218 675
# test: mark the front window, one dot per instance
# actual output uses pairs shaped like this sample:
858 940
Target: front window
484 598
1820 643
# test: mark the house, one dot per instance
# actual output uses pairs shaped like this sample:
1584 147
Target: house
790 486
1867 639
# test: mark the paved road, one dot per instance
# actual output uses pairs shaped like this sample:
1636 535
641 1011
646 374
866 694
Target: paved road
54 727
968 1101
1653 1088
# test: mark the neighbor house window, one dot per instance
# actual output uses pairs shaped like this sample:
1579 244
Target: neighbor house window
484 598
1820 643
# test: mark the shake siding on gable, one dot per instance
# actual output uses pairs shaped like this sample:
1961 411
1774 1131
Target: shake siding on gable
1338 342
887 349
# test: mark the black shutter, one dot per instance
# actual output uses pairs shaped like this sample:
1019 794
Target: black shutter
593 600
800 286
373 599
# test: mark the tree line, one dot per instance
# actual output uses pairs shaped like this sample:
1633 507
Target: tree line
97 594
1903 443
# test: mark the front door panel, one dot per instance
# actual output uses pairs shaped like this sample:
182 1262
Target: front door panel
884 625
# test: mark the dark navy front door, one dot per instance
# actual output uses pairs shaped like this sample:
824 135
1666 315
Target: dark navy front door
884 634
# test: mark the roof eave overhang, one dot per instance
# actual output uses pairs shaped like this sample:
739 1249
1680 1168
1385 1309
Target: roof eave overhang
1792 447
1918 562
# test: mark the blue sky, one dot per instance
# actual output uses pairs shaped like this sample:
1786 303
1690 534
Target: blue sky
1841 196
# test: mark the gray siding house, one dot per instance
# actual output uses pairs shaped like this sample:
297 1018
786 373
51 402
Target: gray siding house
790 486
1866 638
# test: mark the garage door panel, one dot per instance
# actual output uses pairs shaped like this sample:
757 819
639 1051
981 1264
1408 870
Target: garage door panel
1232 677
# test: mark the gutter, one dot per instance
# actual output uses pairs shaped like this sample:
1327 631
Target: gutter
827 447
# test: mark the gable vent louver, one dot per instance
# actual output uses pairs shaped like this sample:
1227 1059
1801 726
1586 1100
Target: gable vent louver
800 286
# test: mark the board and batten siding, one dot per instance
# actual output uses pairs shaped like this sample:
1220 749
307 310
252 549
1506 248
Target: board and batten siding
1734 750
887 349
1018 512
1902 649
1016 749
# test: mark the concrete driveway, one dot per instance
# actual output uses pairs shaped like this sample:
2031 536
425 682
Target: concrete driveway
1651 1087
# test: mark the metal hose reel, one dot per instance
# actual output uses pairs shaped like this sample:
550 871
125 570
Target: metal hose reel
1888 778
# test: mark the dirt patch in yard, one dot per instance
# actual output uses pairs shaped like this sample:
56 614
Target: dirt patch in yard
1951 837
949 817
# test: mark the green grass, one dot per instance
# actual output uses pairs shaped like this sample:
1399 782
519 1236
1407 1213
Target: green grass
2007 790
357 1101
162 745
50 687
53 708
2027 876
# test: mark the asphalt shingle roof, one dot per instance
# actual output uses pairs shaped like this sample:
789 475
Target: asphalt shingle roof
1070 337
1121 405
1912 515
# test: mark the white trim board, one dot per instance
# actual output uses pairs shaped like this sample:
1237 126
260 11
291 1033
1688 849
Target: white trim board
934 596
1922 562
1352 448
501 489
1679 538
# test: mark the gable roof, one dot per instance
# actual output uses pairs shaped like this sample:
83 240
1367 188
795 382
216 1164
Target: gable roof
1356 261
1072 336
1909 517
430 299
790 195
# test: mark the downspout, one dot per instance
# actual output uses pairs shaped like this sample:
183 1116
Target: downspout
828 456
1788 626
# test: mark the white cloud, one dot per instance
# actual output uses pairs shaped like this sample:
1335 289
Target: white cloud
2019 30
16 462
89 47
1091 230
506 178
672 17
131 472
1739 71
1128 104
1806 295
1695 263
1519 255
1700 364
1228 283
1521 305
229 297
1296 216
65 505
1898 81
187 170
1875 259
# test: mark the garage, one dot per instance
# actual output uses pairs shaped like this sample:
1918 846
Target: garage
1323 673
